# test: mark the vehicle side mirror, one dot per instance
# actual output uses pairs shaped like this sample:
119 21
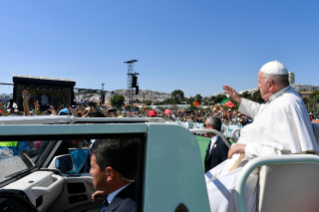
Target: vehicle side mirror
62 162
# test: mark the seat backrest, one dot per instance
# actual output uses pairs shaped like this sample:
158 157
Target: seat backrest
293 187
288 187
315 128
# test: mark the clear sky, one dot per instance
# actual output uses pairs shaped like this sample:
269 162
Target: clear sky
195 46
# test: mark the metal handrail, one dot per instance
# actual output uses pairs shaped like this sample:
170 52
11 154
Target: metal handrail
265 160
234 137
15 120
213 131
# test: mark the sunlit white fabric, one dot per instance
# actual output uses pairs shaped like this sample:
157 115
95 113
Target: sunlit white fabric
281 126
282 123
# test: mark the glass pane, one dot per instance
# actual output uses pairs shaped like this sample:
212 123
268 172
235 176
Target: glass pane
19 156
78 149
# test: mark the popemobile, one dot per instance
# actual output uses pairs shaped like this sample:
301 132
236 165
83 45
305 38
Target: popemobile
170 176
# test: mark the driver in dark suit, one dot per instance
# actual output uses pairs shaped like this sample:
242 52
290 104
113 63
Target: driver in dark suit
217 150
114 170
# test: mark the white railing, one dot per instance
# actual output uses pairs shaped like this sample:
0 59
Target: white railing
226 129
265 160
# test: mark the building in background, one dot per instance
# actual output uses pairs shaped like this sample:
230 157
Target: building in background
291 78
304 87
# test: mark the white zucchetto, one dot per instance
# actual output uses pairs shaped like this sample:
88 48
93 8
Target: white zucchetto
274 68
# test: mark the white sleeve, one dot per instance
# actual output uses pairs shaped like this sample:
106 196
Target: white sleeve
254 150
248 107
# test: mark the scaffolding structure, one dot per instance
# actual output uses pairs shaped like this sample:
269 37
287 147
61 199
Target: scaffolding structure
130 74
6 91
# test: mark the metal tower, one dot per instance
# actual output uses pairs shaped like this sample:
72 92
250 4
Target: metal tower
130 69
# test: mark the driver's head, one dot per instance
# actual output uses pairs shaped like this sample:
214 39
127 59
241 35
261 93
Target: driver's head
213 122
114 163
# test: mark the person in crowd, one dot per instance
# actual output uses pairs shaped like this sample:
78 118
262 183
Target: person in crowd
281 126
87 165
114 170
152 113
64 111
3 109
217 150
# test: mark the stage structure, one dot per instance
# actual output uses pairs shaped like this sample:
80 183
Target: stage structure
131 79
48 91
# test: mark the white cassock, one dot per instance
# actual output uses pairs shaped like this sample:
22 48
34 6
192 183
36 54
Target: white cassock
280 126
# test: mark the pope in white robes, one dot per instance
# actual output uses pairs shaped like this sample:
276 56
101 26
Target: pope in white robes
280 126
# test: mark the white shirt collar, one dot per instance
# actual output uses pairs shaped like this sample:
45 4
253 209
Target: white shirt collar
213 139
212 142
278 93
111 196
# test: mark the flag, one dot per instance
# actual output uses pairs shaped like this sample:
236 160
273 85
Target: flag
229 104
194 103
226 100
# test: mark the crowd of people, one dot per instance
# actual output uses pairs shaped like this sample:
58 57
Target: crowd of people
227 116
313 116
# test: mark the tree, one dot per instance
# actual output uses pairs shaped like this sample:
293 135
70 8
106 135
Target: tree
305 100
219 98
117 101
206 101
315 98
174 101
128 108
148 102
257 97
314 93
188 100
166 101
198 98
245 95
178 96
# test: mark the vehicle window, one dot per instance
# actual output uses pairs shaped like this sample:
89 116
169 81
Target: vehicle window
78 149
19 156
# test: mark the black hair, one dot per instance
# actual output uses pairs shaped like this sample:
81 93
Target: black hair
120 154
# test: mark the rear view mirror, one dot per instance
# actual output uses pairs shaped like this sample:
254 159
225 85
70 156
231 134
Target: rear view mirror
62 162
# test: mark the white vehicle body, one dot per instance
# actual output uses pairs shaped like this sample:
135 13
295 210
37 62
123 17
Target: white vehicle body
171 173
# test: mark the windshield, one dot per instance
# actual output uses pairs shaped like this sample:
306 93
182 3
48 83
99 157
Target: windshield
16 157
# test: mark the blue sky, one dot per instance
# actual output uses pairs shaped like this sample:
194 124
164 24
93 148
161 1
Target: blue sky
195 46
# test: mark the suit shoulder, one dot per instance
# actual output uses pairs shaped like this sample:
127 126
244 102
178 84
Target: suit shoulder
220 141
128 205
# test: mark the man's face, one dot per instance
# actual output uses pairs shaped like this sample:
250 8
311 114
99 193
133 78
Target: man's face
263 86
208 126
99 177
